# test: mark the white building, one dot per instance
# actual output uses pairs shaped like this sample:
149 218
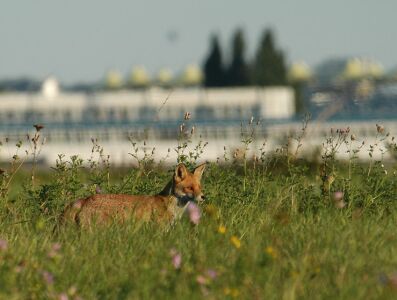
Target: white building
71 120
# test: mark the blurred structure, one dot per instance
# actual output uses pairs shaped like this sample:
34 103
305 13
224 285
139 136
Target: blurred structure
139 77
351 89
358 68
353 93
113 80
164 78
192 76
299 72
71 119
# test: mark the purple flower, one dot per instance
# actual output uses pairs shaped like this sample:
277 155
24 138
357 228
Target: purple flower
194 213
389 280
48 277
98 189
211 273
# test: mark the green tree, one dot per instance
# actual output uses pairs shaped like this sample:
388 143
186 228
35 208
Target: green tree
237 72
213 68
269 66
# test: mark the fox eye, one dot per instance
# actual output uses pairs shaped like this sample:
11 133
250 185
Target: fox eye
188 189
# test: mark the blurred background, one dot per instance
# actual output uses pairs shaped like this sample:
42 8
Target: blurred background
117 72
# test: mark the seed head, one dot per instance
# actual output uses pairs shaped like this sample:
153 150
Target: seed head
379 128
182 128
38 127
187 115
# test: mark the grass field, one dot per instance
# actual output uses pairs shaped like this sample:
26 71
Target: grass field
272 228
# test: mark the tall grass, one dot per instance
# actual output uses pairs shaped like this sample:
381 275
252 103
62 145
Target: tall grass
273 227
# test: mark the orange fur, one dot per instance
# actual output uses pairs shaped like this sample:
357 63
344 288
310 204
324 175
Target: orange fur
164 207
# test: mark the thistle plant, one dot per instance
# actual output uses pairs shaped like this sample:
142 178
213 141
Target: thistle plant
331 147
99 165
380 137
352 151
36 144
186 151
7 174
247 136
145 161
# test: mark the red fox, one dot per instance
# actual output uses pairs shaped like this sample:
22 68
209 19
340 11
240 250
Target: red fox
166 206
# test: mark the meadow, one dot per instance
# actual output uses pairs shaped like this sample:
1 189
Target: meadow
274 226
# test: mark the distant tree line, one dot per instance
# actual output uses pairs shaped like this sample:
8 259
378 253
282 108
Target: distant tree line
266 68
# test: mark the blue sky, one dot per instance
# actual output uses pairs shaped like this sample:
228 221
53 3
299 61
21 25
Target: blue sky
80 40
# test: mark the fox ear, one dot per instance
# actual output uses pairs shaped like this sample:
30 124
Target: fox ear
180 172
198 172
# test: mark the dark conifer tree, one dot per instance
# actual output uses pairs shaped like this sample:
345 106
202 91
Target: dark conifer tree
237 72
269 65
213 68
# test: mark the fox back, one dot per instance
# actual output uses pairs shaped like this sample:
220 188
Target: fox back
166 206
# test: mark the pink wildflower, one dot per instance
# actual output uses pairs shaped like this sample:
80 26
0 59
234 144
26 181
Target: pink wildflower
54 251
194 213
338 200
176 259
338 196
63 296
56 247
3 244
201 280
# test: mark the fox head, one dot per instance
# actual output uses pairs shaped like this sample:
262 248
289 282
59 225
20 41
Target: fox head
187 185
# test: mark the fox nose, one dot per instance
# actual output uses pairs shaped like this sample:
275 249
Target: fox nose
203 198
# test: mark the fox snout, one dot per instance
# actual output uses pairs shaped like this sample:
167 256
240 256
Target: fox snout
192 197
201 198
198 197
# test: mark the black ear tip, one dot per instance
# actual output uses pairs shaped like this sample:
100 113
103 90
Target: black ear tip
179 166
180 170
203 165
